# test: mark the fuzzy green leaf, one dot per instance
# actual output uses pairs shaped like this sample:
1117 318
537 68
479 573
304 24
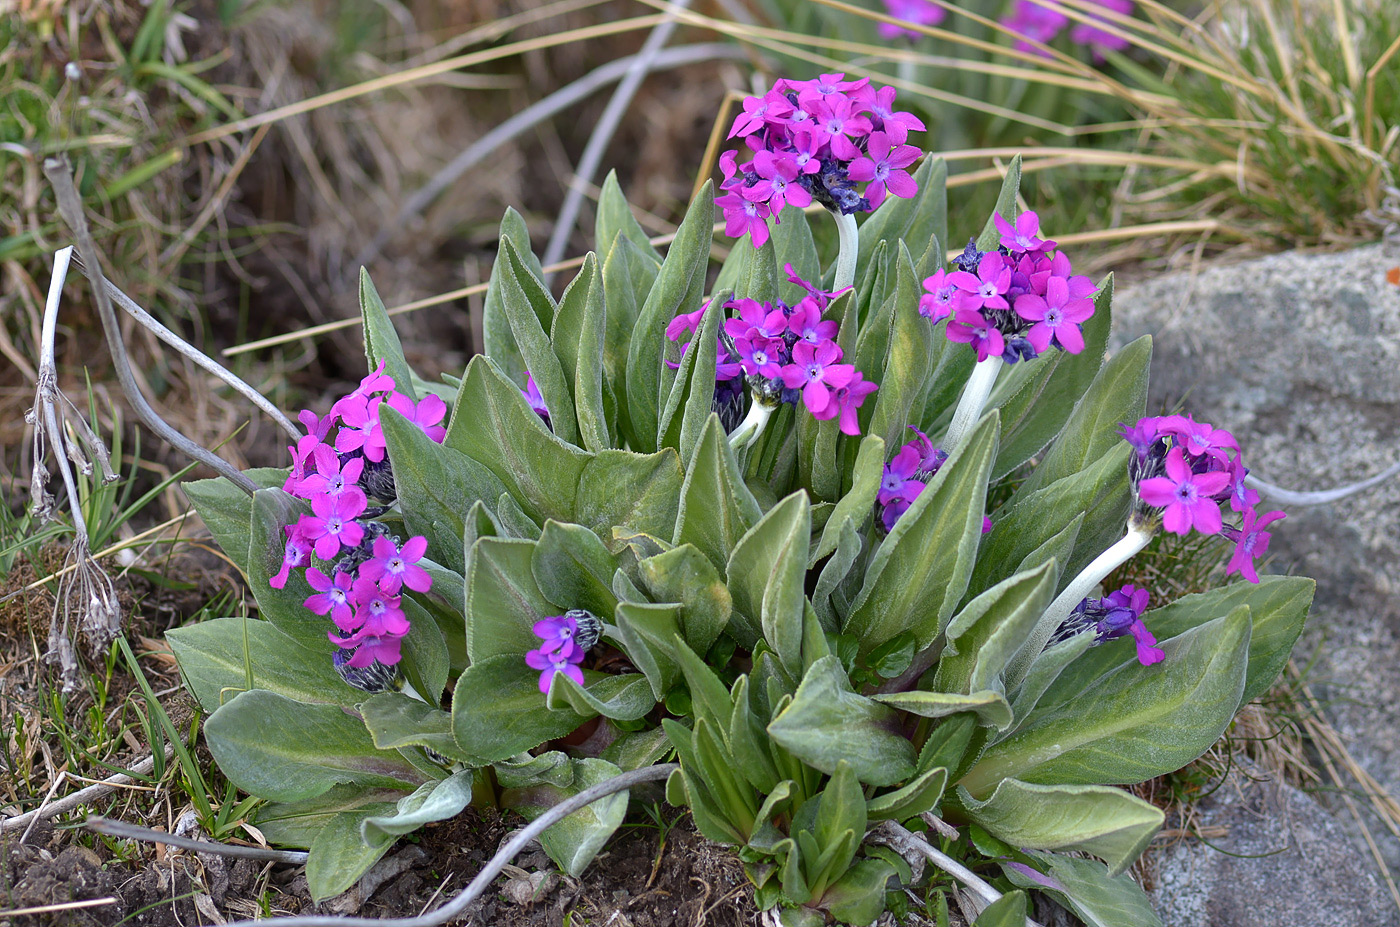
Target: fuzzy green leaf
499 340
716 507
272 510
828 722
615 218
580 326
339 856
530 311
382 343
622 698
923 793
225 656
766 572
906 362
985 635
498 710
686 576
395 720
1084 886
573 842
1006 206
503 599
573 569
227 510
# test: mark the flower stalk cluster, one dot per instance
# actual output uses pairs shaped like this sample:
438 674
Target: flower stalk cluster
340 466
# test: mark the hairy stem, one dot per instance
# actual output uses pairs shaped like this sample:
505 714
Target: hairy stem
752 426
850 250
974 397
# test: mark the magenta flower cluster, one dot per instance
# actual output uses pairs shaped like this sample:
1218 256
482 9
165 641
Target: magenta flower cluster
1115 615
906 476
1014 302
1038 22
566 640
786 354
339 466
1184 469
816 140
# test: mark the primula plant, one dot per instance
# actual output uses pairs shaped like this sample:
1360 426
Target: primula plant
835 539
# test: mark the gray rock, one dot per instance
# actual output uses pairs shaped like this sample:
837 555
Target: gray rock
1282 860
1299 356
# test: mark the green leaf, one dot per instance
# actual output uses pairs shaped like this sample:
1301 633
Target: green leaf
716 507
793 244
923 793
499 711
296 824
751 273
530 310
918 574
647 632
637 493
1007 911
513 520
893 220
628 276
1046 668
494 425
580 326
750 744
525 770
381 341
986 634
1084 886
1096 498
1006 206
701 382
573 842
1117 395
436 485
615 218
989 705
573 569
827 599
225 656
858 897
395 720
828 722
858 503
277 748
273 509
906 364
432 802
679 287
339 856
1107 822
685 575
503 600
766 573
637 749
499 340
1162 717
1048 391
622 698
840 811
425 661
227 510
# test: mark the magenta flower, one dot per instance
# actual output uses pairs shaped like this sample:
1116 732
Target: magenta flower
332 478
685 322
372 649
816 371
917 12
897 125
333 597
1199 438
1184 496
558 633
1056 315
897 481
295 553
393 567
938 302
987 289
360 430
1036 22
1251 543
380 611
969 327
883 166
333 524
429 411
742 214
815 293
1100 40
552 664
847 401
1023 236
807 324
760 357
532 395
777 186
839 118
756 320
757 110
1242 497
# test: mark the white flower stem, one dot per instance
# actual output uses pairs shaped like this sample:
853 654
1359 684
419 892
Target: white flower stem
752 426
850 249
1080 587
974 397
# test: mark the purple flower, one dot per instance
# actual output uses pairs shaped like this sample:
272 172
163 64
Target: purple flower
360 429
814 370
938 302
378 609
1056 315
429 411
1242 497
558 633
1037 22
372 648
1023 235
1199 438
551 664
987 289
333 524
895 124
918 12
332 478
761 357
333 597
821 298
532 395
969 327
295 553
757 110
1251 543
394 567
846 401
685 322
897 481
883 166
742 214
1184 496
778 184
807 324
1100 40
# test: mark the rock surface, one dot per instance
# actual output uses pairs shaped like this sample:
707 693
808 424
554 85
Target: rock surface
1299 356
1283 860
